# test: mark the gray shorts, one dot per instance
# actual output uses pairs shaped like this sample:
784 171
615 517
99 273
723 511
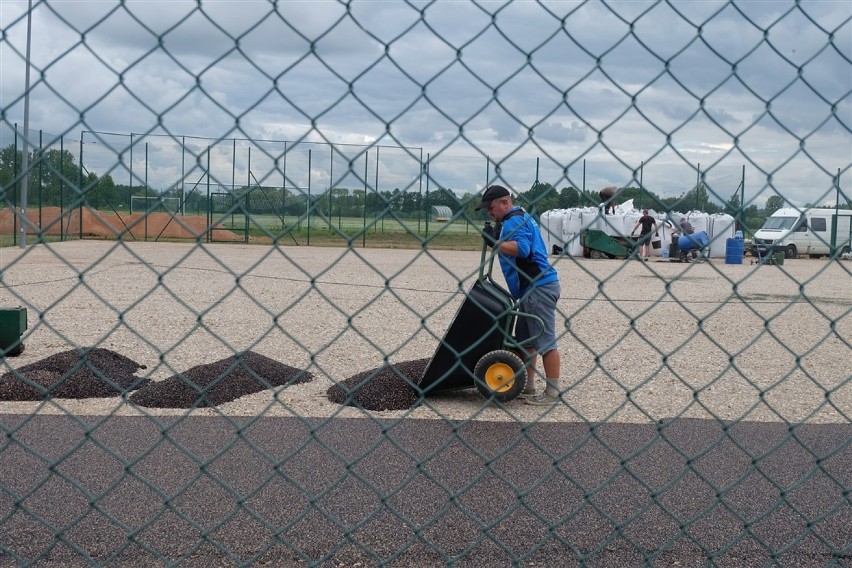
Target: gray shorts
540 302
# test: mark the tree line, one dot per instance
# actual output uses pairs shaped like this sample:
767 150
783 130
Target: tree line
55 179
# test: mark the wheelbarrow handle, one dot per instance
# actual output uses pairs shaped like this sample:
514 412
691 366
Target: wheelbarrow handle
531 339
486 266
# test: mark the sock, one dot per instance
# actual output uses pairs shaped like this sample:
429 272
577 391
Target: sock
552 387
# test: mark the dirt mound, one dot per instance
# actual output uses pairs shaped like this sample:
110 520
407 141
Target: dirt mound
110 225
219 382
383 388
83 373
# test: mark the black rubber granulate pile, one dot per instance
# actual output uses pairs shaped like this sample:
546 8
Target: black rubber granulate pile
216 383
77 373
381 388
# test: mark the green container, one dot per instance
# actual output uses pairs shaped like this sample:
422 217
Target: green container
600 243
13 323
779 257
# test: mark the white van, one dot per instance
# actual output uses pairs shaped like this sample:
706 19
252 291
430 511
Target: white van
807 231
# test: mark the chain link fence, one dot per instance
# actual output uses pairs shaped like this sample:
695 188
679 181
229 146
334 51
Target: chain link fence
324 390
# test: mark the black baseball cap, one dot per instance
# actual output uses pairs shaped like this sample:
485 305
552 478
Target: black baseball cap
492 193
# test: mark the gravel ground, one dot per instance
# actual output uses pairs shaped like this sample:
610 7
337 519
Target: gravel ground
640 342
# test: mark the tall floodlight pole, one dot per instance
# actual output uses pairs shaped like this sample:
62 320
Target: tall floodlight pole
25 162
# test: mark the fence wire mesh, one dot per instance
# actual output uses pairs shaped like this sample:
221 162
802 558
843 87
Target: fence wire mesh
340 384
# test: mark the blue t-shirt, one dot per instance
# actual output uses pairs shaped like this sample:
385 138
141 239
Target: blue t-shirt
532 254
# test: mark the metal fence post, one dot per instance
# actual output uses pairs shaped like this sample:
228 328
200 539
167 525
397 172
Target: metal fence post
80 186
62 188
309 205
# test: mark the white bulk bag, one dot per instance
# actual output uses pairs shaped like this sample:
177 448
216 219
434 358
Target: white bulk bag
573 247
614 225
573 222
699 220
591 219
625 208
722 228
551 228
630 220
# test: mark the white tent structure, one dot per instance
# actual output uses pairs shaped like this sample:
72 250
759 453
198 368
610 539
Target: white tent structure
441 213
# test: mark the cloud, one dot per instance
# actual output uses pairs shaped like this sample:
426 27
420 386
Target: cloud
559 132
595 92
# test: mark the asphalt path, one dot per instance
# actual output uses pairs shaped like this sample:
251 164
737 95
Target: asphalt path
204 491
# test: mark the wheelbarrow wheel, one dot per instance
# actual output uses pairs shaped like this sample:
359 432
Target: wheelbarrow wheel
500 374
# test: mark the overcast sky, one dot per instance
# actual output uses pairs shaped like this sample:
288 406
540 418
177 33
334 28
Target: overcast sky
534 86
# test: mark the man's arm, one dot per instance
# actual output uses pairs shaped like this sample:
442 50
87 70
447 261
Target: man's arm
509 248
518 239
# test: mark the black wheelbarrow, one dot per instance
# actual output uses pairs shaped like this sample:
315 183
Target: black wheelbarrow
479 349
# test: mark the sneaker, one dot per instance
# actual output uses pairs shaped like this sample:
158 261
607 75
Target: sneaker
525 395
542 399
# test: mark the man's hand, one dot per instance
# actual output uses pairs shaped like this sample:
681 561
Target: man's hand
490 234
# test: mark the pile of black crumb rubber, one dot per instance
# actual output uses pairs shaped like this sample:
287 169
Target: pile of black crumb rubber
98 373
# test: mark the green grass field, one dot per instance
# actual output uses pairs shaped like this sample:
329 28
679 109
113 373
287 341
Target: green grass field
339 231
343 231
13 240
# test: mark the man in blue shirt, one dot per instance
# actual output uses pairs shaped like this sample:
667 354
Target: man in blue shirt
532 280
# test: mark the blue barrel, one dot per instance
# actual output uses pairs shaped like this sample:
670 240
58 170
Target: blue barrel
694 241
734 251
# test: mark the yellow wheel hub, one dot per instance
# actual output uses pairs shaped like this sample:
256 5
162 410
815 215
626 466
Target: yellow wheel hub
499 377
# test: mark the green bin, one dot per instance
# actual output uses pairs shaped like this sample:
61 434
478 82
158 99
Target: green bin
779 257
13 323
597 240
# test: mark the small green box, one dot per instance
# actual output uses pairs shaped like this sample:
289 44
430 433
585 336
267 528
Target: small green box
13 323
